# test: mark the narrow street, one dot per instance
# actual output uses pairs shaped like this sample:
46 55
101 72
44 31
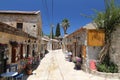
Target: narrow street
54 67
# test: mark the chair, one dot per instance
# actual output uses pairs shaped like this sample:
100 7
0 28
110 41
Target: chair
19 76
13 67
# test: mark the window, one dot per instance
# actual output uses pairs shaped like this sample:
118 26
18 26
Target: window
19 26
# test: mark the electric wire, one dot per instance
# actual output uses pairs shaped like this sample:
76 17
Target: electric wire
45 6
48 14
52 12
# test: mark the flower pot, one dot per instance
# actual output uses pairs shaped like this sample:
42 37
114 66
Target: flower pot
28 69
29 72
77 65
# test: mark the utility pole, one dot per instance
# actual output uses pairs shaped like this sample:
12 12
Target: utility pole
51 27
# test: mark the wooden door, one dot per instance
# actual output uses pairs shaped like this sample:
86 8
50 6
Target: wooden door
84 51
21 51
13 55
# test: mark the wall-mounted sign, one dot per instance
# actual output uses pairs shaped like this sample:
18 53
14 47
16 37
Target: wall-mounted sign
95 38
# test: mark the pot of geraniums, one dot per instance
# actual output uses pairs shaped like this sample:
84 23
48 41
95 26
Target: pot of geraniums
28 67
78 63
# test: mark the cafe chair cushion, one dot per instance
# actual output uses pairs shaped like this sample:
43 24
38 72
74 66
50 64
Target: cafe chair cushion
19 76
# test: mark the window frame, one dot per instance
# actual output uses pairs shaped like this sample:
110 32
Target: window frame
19 25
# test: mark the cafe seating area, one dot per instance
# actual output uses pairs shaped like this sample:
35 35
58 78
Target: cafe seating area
12 73
20 69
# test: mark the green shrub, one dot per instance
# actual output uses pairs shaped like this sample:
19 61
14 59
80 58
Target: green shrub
101 67
111 68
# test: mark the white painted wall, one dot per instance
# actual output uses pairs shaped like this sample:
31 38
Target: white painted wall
28 27
93 52
49 45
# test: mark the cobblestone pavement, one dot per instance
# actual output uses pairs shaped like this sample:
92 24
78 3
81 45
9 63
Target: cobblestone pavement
54 67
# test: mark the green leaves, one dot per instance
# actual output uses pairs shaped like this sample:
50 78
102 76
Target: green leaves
110 18
58 30
99 20
107 20
103 67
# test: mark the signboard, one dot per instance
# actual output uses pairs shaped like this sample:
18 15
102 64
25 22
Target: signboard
95 38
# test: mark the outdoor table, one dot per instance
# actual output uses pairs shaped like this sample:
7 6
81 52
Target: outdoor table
9 75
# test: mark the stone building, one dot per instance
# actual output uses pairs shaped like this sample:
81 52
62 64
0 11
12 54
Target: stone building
55 44
84 43
44 44
20 35
94 41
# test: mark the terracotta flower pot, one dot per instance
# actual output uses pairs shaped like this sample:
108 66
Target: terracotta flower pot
29 72
28 69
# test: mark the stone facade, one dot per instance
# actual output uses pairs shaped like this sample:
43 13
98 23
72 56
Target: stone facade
77 42
23 41
14 46
31 22
44 45
5 38
115 48
55 44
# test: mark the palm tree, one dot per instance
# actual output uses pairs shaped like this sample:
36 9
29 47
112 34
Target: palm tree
65 25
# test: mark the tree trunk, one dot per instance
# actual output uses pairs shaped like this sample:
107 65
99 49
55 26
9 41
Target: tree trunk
65 29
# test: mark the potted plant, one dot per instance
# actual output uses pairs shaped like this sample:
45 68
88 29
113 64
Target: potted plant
74 59
78 63
28 69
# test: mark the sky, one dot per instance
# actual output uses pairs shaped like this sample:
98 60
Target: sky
70 9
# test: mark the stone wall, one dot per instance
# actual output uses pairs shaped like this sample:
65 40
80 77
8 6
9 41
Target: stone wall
30 22
115 48
106 75
93 52
5 38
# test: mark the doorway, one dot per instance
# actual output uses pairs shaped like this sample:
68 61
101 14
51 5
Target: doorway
13 59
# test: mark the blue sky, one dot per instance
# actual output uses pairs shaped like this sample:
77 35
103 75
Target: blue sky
70 9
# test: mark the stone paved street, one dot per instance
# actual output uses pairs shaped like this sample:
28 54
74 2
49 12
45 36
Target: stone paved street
54 67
